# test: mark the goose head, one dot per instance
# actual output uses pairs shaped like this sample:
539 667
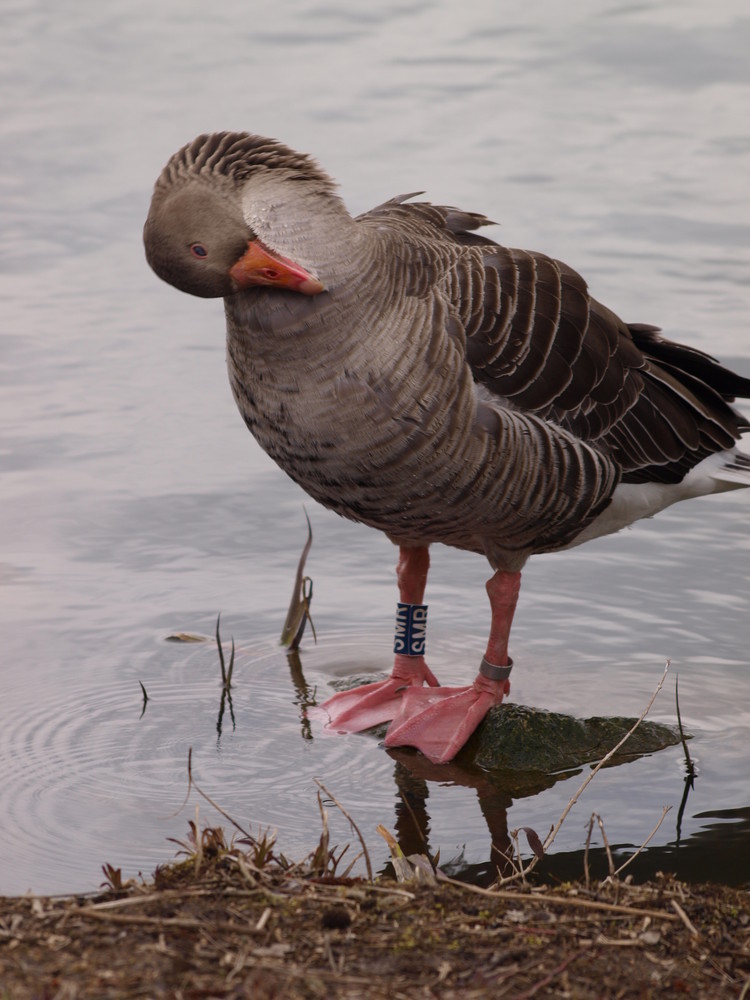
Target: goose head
232 211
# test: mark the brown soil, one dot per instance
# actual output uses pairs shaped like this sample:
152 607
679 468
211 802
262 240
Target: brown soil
245 923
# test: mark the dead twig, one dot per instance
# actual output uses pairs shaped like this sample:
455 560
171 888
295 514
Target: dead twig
610 862
142 900
145 700
516 860
226 673
549 900
688 759
690 771
624 865
556 829
586 846
204 795
190 785
299 606
521 874
684 917
352 824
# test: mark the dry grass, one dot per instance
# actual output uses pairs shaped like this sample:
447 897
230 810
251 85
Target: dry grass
238 920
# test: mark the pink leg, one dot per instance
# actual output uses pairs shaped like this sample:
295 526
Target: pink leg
440 721
369 705
502 590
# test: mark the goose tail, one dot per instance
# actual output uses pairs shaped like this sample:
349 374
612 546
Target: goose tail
734 470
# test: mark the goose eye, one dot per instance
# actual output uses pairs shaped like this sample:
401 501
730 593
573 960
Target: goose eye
198 250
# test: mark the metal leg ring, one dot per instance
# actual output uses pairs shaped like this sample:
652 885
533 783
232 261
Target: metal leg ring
494 673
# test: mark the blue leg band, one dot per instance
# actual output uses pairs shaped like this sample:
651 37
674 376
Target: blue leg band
411 629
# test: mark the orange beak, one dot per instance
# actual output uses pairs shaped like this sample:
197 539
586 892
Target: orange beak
259 266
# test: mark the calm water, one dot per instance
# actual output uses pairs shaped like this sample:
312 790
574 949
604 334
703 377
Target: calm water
134 503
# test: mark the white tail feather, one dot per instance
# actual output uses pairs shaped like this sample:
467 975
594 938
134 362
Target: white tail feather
736 470
726 470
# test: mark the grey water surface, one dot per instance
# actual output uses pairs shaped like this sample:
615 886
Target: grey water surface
133 502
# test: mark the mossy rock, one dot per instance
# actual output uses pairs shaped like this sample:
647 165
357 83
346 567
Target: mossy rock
517 739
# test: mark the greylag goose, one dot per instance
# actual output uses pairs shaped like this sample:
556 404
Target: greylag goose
417 377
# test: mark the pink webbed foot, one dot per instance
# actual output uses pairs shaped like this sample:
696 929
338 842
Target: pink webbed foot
439 721
369 705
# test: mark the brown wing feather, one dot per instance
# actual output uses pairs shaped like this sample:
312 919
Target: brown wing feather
538 341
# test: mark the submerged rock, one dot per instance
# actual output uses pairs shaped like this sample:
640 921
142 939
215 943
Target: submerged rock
532 744
519 738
